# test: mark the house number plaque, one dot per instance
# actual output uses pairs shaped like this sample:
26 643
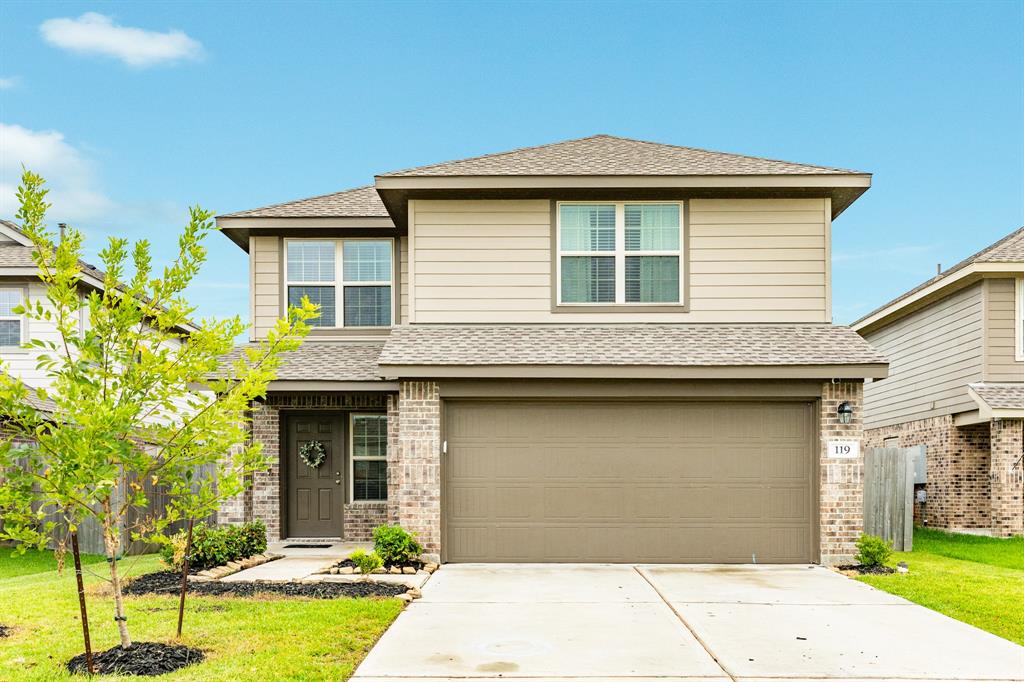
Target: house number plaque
843 449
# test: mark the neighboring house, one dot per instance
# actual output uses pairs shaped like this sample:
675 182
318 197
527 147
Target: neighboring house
596 350
19 282
956 385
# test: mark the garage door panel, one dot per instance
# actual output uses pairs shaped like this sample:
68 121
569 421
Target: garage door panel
655 482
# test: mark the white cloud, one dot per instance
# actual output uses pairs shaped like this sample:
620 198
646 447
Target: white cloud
94 33
8 83
71 177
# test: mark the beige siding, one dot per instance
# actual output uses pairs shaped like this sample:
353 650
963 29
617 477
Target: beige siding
750 260
933 353
403 281
265 261
1000 339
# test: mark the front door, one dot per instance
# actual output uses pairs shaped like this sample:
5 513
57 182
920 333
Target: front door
315 494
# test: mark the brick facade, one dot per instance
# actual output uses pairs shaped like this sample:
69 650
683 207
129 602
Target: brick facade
262 501
841 492
1007 506
418 469
414 465
958 489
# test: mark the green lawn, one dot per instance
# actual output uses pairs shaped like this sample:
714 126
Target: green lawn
266 639
975 579
34 561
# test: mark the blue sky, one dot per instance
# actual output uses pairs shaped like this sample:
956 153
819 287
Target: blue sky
235 105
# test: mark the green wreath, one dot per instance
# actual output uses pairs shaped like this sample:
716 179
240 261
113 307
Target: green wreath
312 453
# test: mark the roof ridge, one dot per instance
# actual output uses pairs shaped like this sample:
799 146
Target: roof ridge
296 201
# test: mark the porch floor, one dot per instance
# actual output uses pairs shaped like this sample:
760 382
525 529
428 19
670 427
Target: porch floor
298 562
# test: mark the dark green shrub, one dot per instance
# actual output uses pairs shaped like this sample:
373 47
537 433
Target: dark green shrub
366 563
395 545
873 550
215 546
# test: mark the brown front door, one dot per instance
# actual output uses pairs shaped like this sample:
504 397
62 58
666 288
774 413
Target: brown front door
315 495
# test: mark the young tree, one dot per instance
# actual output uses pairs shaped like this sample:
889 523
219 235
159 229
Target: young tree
131 392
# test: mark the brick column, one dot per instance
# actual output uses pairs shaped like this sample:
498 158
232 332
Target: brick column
232 511
841 495
266 484
418 495
393 459
1007 478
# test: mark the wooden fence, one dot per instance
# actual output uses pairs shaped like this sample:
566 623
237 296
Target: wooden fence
889 476
90 532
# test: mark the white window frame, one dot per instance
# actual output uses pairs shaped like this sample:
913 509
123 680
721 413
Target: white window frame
619 253
23 323
352 459
339 282
1018 320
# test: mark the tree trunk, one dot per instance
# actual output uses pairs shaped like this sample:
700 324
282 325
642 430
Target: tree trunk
184 575
81 603
112 540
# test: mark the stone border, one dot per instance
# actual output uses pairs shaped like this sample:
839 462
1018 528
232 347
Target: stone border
232 567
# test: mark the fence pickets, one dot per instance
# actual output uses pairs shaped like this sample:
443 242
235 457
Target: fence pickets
889 495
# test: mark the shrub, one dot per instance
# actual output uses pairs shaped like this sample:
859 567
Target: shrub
873 550
215 546
395 545
367 563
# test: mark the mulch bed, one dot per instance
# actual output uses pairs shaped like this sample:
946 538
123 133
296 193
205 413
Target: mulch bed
169 582
141 658
867 570
5 631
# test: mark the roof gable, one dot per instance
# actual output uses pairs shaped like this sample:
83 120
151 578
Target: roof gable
610 155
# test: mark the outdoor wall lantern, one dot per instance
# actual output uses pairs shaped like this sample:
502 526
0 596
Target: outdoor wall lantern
845 412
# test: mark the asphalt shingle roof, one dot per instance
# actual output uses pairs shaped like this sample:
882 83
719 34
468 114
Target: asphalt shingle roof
359 202
1001 396
627 345
325 361
1009 249
610 155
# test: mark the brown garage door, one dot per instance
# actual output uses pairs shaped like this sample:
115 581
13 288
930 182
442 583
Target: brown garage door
629 482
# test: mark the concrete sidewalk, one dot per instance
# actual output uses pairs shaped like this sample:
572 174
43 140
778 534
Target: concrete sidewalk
617 622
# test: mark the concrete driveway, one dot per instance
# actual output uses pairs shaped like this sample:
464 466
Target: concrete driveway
685 623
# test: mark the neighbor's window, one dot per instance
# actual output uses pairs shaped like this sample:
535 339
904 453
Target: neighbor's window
10 324
619 253
356 273
369 440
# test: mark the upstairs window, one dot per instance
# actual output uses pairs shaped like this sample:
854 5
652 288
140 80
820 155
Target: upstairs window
350 279
10 324
619 253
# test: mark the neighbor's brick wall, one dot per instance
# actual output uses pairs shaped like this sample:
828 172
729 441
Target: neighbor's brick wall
418 490
841 501
1007 477
958 488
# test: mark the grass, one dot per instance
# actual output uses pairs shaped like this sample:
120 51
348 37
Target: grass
35 561
266 639
977 580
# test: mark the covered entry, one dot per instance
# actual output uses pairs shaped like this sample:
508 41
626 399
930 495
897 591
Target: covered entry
633 481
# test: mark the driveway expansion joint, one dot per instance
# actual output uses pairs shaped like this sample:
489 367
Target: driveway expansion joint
682 620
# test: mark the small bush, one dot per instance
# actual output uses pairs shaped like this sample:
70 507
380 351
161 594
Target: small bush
367 563
395 545
873 550
215 546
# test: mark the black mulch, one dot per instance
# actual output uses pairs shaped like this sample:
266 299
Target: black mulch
5 631
169 582
141 658
867 570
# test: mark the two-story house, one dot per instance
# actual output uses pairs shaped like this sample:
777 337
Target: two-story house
956 386
596 350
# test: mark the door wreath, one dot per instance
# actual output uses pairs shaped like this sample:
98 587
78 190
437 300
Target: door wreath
312 453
